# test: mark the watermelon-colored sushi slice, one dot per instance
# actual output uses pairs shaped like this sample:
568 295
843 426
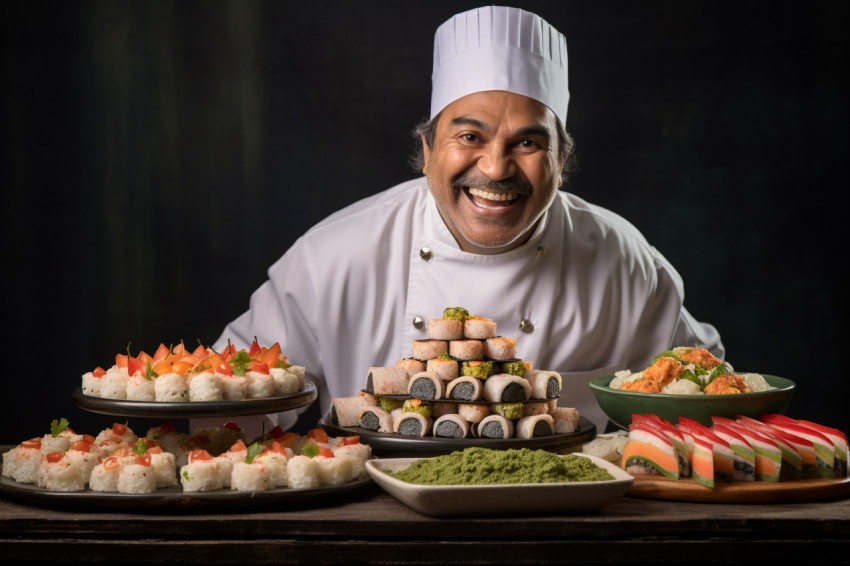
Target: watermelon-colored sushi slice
792 458
824 448
768 457
723 459
839 443
650 451
675 436
702 460
743 455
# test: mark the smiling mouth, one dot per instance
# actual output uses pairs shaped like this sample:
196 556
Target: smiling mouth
491 200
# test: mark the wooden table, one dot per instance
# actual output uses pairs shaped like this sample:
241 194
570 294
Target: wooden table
371 527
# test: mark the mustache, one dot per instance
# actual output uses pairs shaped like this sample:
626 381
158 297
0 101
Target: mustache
515 184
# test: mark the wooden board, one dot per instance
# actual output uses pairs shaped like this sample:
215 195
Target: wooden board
658 487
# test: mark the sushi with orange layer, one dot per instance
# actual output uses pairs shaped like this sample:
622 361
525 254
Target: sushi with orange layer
792 452
766 453
828 443
743 455
650 451
675 436
722 466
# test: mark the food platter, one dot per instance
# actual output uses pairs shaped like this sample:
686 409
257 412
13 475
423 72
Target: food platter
174 499
494 500
659 487
398 445
153 409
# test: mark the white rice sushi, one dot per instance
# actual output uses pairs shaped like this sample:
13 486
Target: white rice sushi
425 350
171 388
140 388
22 462
201 473
285 383
206 387
249 477
303 472
500 348
445 329
506 388
359 454
104 476
260 385
233 387
164 468
137 477
91 383
275 468
113 385
534 426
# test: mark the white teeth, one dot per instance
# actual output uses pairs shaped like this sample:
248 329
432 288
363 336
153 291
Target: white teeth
492 196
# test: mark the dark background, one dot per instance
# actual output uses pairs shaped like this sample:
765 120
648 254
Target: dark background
159 156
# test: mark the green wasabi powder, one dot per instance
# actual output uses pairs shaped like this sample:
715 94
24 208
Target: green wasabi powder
486 466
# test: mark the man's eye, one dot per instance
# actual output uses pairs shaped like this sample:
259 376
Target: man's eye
528 144
469 137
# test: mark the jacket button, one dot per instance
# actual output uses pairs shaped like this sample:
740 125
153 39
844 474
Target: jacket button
418 322
540 251
526 326
426 254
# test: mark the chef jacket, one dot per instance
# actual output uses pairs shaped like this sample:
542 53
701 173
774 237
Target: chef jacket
585 296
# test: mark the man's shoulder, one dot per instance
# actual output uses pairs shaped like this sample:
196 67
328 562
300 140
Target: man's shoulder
586 216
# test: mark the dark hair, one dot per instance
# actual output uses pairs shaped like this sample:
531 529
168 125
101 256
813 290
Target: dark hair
427 129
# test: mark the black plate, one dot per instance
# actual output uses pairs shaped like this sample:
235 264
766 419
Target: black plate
121 408
482 401
398 445
174 499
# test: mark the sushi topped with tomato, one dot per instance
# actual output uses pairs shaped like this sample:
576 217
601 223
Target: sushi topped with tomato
180 374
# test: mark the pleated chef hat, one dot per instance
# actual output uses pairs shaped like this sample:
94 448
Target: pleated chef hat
500 48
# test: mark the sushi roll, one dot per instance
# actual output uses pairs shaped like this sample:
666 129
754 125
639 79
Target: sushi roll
412 365
285 382
465 388
650 451
500 348
424 350
274 463
58 473
482 369
412 424
260 384
104 476
451 426
303 472
426 385
136 476
334 471
506 388
113 385
767 456
249 477
536 408
479 328
444 367
164 467
544 384
537 425
206 387
91 382
674 434
792 460
743 455
566 419
140 388
171 388
391 380
201 473
515 367
345 411
495 426
473 412
233 387
359 454
376 419
512 411
466 349
445 329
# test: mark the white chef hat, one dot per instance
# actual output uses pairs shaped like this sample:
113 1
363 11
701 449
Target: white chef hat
500 48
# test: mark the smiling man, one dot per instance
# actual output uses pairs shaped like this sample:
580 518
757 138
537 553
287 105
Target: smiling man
486 229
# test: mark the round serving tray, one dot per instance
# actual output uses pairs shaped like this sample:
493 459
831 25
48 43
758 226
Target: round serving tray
482 401
398 445
122 408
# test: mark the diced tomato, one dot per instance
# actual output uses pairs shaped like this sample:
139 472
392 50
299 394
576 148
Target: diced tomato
255 349
197 455
88 438
143 460
349 440
277 448
119 429
287 439
135 365
179 350
270 357
111 463
160 353
54 457
121 360
201 352
318 435
166 427
155 450
191 359
224 368
238 446
228 352
98 372
145 358
231 425
259 367
326 452
82 446
276 432
32 443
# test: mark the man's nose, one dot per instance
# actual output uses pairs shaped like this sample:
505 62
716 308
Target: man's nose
496 162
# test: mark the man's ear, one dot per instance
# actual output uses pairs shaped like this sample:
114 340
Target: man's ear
426 153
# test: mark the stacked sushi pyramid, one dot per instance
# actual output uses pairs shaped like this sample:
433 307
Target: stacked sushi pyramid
771 448
463 381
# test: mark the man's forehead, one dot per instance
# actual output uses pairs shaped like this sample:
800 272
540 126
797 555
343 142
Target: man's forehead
492 110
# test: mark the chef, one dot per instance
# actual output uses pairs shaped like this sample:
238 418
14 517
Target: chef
488 228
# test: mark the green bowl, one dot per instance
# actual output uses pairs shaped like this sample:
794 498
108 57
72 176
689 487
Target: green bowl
621 405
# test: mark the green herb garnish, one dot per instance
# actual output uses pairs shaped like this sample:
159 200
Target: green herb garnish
253 451
310 450
240 362
140 447
56 427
